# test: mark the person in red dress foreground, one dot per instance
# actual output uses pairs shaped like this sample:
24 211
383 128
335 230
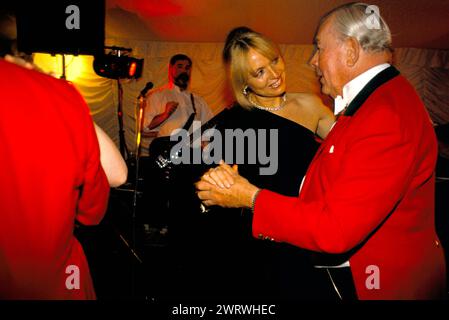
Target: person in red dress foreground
51 176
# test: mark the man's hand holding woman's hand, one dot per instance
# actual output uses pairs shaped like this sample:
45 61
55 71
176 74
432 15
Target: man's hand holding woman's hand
223 186
221 176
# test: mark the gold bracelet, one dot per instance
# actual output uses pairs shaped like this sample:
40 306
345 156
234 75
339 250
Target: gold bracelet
253 202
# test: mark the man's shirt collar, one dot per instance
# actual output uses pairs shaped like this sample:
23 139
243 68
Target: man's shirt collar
353 87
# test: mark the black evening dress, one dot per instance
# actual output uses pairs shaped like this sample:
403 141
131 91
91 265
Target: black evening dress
236 264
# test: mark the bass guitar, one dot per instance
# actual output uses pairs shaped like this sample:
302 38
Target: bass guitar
161 155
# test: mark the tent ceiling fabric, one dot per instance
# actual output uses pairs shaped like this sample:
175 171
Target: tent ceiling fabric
414 23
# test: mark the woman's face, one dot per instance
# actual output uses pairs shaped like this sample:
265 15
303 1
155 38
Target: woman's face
266 77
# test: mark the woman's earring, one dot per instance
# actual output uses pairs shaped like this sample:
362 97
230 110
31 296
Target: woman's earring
245 91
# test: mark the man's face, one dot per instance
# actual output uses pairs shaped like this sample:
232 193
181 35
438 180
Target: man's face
329 60
180 73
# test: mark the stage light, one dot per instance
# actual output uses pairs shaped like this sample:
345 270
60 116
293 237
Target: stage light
132 69
114 65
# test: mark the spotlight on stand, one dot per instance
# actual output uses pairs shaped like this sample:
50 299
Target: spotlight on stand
117 65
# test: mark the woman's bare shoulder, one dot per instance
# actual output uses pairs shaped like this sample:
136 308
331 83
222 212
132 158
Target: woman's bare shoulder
306 99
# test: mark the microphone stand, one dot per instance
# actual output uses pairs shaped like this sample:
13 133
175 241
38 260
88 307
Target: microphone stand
139 119
123 148
132 246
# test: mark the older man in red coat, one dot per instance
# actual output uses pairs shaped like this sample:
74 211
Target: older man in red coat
50 176
368 195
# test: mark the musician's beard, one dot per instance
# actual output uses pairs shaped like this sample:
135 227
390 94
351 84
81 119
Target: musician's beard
182 81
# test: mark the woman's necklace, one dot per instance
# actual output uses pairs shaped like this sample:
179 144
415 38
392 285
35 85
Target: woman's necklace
270 108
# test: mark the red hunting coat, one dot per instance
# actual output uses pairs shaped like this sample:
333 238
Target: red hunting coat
370 191
50 176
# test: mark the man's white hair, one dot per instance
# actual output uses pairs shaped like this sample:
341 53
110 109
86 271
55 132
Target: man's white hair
359 21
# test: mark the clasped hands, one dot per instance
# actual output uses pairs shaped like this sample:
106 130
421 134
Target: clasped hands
224 187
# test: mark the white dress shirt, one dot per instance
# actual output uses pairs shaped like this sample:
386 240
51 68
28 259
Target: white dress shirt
353 87
158 98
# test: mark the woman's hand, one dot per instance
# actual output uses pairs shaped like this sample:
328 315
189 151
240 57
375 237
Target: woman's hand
239 194
221 176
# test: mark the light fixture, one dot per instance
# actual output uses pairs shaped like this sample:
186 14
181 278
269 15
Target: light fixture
115 65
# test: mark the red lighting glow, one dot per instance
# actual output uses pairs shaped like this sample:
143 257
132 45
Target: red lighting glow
132 69
150 8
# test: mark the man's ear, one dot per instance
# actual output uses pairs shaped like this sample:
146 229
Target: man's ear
352 47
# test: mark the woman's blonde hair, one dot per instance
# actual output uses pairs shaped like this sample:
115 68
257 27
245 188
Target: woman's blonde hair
235 55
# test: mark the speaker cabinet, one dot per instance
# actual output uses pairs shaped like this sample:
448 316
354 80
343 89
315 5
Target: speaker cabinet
69 27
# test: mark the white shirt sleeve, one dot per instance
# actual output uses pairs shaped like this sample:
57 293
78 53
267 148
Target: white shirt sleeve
154 106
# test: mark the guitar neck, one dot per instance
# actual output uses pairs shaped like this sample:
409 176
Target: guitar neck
211 123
